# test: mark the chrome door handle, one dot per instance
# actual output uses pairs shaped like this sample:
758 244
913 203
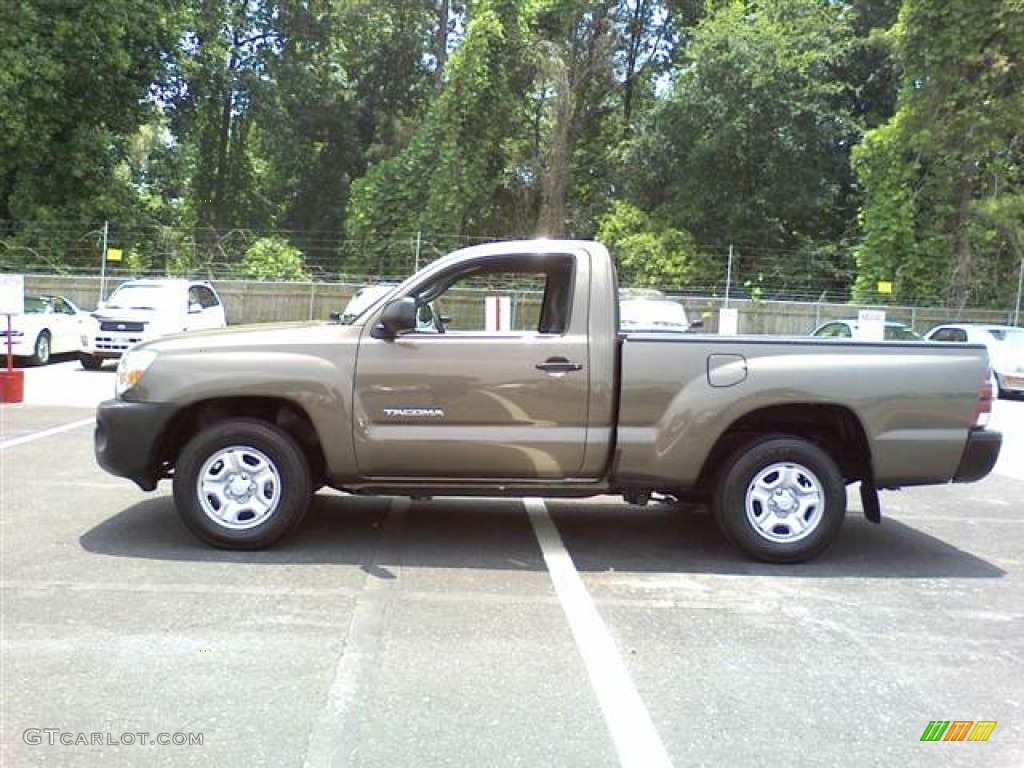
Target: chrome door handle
558 365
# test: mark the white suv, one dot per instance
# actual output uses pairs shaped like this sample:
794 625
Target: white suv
145 309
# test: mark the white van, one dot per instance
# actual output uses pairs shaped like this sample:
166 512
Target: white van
145 309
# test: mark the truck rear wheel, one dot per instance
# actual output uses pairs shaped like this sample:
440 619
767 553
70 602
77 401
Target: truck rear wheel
781 499
242 484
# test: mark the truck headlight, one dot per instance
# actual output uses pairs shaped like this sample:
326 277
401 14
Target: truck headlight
130 368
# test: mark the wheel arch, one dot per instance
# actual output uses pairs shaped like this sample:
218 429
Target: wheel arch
282 412
833 428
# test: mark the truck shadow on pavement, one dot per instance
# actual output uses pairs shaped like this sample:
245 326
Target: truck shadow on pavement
687 540
491 534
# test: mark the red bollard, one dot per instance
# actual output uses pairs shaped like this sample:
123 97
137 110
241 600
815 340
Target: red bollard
12 381
12 386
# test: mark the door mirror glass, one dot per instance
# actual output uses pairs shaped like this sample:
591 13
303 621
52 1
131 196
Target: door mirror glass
398 317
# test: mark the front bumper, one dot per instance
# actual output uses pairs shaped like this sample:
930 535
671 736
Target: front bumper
127 437
110 345
980 455
1011 382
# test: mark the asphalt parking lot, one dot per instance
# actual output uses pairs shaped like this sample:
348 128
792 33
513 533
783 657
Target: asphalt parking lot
389 632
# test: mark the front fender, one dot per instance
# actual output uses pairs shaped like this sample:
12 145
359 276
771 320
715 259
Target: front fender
321 387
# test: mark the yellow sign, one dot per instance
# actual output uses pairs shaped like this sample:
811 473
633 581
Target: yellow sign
884 286
113 254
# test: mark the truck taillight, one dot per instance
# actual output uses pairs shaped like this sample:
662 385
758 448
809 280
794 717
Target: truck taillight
983 408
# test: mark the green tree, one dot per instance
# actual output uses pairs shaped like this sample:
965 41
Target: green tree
346 84
934 175
575 72
651 253
458 176
273 258
751 146
76 84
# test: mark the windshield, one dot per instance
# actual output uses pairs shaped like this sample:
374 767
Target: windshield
142 297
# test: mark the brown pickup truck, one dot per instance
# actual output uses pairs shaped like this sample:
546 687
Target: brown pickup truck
501 370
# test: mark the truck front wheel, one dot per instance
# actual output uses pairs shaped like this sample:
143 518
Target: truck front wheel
781 499
41 353
241 484
90 362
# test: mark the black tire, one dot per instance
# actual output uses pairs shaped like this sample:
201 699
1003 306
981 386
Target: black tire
41 350
780 499
90 362
252 504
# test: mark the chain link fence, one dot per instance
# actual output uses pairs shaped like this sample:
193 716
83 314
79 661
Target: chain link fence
775 292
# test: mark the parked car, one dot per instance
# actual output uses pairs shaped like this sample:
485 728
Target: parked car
426 318
847 329
140 310
640 293
654 315
50 325
362 300
1005 345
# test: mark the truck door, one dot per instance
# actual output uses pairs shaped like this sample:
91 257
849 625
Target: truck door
492 383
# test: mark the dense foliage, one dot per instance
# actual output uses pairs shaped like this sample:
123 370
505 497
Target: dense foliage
830 144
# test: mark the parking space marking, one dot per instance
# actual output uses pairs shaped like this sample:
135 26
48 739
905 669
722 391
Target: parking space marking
33 436
332 739
636 740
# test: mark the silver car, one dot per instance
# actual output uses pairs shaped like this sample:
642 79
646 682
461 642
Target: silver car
1005 345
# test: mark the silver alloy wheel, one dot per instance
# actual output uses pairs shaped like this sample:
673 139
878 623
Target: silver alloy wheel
239 487
785 502
42 352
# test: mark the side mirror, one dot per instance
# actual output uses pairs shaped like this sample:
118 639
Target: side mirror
398 317
195 308
696 325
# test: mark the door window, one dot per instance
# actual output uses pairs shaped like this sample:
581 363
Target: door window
950 334
60 306
203 296
504 295
834 331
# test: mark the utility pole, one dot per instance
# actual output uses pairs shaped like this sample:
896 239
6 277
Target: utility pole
728 276
1020 284
103 261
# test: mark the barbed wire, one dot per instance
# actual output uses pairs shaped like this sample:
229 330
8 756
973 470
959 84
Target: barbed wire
67 248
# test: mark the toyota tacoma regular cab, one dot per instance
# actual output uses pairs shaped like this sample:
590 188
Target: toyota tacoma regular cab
501 370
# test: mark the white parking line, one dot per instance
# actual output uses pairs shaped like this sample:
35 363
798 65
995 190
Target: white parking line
31 437
636 740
